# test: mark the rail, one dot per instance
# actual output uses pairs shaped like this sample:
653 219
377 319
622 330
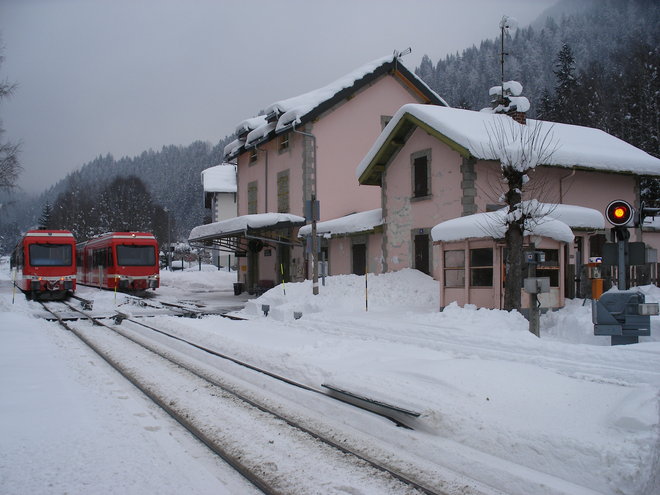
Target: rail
186 422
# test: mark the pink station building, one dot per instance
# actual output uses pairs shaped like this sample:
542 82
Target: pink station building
404 181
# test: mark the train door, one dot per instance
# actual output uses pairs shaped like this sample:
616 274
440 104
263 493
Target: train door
284 261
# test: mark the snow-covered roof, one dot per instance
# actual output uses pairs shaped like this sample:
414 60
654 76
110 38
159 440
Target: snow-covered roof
221 178
576 217
469 133
363 221
282 114
243 223
553 221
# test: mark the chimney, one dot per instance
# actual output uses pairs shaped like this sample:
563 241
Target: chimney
520 117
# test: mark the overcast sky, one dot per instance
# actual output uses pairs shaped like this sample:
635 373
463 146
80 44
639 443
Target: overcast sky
123 76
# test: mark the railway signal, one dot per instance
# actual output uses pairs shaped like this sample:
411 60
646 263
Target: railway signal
619 213
624 315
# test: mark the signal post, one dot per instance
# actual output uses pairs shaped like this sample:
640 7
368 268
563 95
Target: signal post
624 315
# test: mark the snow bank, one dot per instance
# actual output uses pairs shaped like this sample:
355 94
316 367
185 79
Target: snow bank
399 291
572 324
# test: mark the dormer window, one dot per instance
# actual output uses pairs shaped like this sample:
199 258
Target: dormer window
254 156
283 142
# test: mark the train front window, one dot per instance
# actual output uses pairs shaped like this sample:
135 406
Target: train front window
51 254
130 255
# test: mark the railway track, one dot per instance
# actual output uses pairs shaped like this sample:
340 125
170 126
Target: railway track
426 335
267 474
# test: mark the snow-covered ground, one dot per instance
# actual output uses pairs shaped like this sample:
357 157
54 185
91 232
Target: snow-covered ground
566 413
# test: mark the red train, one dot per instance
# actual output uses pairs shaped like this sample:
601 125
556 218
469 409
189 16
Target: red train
126 261
45 265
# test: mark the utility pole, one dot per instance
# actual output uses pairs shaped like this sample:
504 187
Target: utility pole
315 247
313 213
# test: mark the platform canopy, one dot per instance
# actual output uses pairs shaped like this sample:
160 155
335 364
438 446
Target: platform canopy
364 221
247 232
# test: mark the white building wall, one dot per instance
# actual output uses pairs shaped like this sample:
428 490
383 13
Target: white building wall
223 207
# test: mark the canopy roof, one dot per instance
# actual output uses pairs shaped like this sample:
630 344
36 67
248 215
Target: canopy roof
364 221
235 234
553 221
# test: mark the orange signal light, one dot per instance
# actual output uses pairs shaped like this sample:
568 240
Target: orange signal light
619 213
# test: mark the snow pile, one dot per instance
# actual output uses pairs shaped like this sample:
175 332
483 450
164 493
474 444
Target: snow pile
395 292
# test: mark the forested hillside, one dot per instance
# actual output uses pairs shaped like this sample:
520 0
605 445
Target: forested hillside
603 33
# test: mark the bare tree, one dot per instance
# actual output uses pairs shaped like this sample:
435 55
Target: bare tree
519 149
10 167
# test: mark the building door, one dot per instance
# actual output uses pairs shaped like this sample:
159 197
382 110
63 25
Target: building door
359 259
422 259
284 263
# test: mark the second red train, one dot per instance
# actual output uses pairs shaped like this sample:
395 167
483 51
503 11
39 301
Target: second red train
126 261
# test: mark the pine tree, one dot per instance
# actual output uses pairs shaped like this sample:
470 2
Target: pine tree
45 221
565 107
545 109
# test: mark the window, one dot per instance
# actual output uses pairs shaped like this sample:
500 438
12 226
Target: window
51 254
455 268
550 267
481 267
596 243
283 192
252 197
421 162
283 142
128 255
